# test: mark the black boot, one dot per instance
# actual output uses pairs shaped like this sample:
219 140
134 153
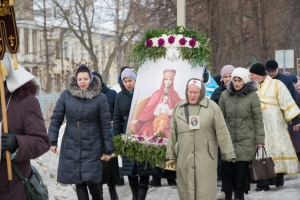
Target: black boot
171 182
228 195
95 190
134 191
155 182
113 192
143 188
82 192
101 192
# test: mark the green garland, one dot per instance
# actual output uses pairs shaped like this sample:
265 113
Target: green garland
151 154
195 56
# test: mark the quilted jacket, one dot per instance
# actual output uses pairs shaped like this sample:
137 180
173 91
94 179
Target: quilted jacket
244 119
87 134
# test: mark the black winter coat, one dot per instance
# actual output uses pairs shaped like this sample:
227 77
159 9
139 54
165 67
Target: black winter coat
217 93
111 96
87 134
288 83
121 114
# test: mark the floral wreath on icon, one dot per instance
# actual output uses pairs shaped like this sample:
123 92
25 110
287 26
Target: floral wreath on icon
193 47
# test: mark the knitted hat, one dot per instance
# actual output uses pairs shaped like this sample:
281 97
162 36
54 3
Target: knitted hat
271 65
258 69
128 73
227 69
293 78
242 73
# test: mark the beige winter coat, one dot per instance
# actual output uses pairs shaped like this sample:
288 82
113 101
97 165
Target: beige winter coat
196 151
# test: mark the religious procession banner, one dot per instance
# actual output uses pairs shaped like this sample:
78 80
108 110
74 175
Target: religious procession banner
160 85
166 60
8 29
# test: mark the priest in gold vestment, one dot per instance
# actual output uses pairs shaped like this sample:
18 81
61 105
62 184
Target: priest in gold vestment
278 108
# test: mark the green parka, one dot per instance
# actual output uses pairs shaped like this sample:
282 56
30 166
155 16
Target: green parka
243 115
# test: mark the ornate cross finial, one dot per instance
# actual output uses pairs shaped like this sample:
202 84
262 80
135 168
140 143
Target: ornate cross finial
11 40
8 28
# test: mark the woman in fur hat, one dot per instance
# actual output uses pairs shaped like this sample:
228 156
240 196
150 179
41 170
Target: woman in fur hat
87 134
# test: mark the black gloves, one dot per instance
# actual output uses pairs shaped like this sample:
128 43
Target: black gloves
9 142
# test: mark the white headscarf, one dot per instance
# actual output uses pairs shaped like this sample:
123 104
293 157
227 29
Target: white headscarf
17 78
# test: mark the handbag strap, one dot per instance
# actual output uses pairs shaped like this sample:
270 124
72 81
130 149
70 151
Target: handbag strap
24 180
264 152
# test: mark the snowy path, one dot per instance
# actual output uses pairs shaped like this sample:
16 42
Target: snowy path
290 191
47 166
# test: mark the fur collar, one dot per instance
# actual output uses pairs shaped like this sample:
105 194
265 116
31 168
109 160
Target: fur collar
92 91
247 89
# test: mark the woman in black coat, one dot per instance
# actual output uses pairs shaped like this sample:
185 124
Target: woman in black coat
121 113
87 134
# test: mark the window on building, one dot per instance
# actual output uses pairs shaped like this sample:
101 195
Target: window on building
57 49
49 48
65 47
102 57
108 52
33 41
26 39
97 50
82 53
41 45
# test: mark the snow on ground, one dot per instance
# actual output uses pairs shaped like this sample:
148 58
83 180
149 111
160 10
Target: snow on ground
48 163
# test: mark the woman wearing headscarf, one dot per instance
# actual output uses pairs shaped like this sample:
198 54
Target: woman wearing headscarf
87 134
138 175
195 148
241 108
27 138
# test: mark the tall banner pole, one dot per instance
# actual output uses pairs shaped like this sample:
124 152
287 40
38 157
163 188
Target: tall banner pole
8 39
181 13
5 125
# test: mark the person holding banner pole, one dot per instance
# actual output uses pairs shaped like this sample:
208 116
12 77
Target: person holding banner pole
138 174
194 149
27 136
